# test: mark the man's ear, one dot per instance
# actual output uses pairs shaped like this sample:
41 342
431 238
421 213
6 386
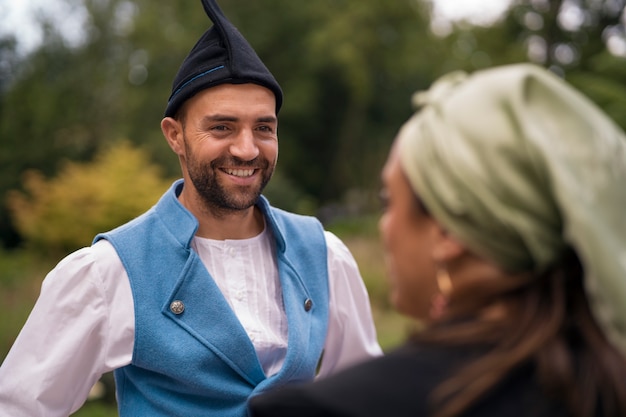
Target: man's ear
446 247
173 131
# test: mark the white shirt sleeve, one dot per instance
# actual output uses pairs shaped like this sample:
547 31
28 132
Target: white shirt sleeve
351 336
81 326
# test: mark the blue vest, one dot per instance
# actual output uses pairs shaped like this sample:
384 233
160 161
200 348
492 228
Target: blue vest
192 357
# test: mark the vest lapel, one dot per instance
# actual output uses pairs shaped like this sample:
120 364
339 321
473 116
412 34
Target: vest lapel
208 317
298 320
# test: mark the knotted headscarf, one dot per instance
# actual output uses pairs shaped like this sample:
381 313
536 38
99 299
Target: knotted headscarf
222 55
518 165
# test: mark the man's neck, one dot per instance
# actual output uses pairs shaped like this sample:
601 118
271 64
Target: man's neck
234 225
224 224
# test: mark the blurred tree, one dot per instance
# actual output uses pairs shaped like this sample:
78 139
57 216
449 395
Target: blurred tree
584 41
9 61
62 102
65 213
9 66
344 67
566 33
347 68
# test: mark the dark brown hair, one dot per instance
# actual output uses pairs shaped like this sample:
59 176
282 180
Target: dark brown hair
545 321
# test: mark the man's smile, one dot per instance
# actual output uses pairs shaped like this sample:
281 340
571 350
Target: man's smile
239 172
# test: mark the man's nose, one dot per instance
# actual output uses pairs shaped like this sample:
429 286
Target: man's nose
244 147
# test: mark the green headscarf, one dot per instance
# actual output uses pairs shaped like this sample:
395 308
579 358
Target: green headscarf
518 165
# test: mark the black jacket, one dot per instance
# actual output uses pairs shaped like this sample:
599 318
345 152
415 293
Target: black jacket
399 385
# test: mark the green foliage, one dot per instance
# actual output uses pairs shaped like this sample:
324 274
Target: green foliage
347 68
96 409
361 226
66 212
605 84
578 54
282 192
360 63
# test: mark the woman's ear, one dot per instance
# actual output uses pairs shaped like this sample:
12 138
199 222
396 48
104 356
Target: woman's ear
446 247
173 131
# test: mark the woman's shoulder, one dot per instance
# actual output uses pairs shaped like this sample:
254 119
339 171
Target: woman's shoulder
400 381
401 384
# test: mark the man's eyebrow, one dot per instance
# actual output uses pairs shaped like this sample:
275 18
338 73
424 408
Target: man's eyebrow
267 119
219 118
225 118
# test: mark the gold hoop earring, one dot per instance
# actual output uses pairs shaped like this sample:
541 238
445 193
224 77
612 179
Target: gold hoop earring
439 301
444 283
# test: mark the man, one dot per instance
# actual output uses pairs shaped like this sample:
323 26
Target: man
211 296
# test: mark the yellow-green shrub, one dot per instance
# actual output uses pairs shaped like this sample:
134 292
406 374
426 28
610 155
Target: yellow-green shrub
66 212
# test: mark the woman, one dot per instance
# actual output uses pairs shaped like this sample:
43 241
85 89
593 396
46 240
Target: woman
505 232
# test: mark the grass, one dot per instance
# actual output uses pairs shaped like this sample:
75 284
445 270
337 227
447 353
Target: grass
96 409
20 281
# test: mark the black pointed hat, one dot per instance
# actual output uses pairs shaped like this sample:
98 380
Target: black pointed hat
222 55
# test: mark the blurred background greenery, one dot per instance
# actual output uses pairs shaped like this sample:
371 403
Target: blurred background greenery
81 149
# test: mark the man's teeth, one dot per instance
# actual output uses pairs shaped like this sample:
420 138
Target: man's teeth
240 172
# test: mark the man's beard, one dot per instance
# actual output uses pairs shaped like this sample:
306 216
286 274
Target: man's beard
213 193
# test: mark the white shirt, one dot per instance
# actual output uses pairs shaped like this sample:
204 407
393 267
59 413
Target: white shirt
83 323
